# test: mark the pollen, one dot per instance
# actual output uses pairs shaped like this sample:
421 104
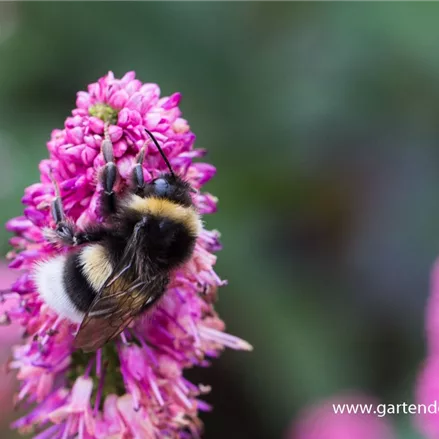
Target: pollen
104 112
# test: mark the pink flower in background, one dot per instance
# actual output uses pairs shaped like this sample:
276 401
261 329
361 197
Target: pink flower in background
427 386
427 393
124 390
432 318
320 421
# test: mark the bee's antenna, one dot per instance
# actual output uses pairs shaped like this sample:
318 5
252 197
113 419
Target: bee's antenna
160 151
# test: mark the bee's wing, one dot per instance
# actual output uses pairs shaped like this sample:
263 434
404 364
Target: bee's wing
111 311
114 307
122 297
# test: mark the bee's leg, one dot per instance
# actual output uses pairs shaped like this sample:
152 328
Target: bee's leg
138 180
90 234
108 177
56 206
65 232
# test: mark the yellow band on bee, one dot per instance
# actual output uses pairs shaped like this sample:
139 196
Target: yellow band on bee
162 207
95 265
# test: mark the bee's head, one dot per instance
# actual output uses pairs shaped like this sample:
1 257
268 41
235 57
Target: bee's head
171 187
168 186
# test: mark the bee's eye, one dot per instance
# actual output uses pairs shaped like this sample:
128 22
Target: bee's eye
161 187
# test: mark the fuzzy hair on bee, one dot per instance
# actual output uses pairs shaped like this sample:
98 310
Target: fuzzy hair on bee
118 269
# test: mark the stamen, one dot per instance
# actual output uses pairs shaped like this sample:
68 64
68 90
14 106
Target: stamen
124 338
194 332
89 367
99 363
146 348
156 391
81 427
55 325
67 427
50 433
99 391
183 398
173 319
223 338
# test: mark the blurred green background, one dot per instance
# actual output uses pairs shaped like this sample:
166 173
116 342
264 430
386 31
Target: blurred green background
322 119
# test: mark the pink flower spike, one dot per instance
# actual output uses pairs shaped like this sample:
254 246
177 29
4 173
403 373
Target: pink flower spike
133 387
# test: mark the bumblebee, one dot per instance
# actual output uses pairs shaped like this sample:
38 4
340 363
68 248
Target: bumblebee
118 269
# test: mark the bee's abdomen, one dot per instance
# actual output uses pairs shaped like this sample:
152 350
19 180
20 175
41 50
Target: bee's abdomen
49 277
80 292
69 283
85 273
